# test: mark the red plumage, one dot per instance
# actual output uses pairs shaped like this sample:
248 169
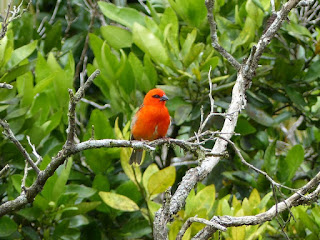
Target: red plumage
151 121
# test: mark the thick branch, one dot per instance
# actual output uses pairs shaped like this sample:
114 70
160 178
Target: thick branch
296 199
238 102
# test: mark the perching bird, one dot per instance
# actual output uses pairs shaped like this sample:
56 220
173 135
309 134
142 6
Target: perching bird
151 121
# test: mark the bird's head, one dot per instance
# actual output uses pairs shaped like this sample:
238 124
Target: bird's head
155 96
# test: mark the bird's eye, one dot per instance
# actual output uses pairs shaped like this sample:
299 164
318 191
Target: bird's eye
156 96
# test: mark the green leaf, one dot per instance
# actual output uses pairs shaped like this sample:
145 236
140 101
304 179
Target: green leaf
83 191
193 12
21 53
126 16
254 198
238 233
182 113
42 68
153 207
119 202
83 208
259 116
126 77
70 65
193 54
270 160
161 180
213 62
53 37
254 11
295 96
130 190
13 73
297 30
101 183
205 198
8 226
3 49
60 183
25 89
102 127
17 113
151 169
264 201
191 37
138 72
116 37
291 163
313 72
244 127
78 221
16 182
108 61
150 73
246 36
150 44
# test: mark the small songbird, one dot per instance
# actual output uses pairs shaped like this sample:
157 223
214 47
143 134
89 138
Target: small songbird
151 121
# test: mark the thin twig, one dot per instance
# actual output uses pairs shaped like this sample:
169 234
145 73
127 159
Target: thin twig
96 105
191 220
214 36
6 85
34 151
74 99
295 199
254 168
12 15
9 134
93 11
4 169
56 8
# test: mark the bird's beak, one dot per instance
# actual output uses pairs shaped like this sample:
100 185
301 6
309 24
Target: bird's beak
164 98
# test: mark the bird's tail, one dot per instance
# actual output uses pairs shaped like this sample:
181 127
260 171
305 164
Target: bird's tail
136 156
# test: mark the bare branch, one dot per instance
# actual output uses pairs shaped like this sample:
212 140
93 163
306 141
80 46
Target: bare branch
246 71
96 105
15 13
296 199
93 12
34 151
9 134
214 37
74 99
254 168
6 85
25 175
4 169
54 12
191 220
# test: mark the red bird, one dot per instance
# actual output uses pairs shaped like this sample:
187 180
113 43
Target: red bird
151 121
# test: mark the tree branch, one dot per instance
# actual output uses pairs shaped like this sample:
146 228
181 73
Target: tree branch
246 72
6 85
4 169
9 134
12 15
214 37
191 220
296 199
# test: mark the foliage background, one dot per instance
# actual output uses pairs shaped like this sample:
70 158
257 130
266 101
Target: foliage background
165 43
